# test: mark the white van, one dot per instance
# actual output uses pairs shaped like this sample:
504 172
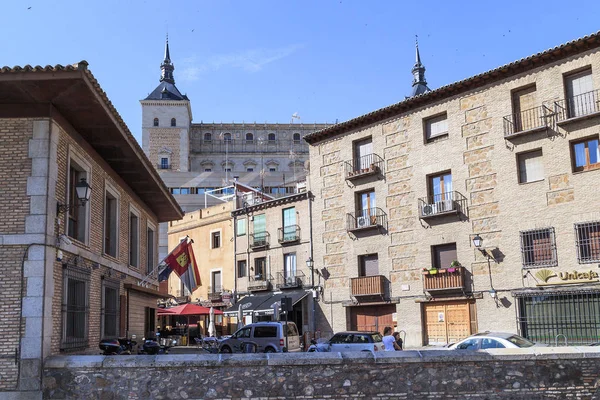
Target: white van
268 337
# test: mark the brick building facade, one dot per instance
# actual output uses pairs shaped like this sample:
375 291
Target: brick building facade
509 156
71 269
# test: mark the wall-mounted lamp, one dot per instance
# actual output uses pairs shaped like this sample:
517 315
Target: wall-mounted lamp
478 242
310 263
83 191
494 296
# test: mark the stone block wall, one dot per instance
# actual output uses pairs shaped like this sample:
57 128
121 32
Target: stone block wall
398 375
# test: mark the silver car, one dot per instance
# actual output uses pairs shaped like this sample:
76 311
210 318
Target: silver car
350 341
493 340
267 337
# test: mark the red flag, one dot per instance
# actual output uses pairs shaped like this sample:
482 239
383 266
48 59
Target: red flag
183 263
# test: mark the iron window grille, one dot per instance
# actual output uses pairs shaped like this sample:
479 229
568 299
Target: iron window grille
538 248
75 308
571 317
587 237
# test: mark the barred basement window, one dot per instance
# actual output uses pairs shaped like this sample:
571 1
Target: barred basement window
75 308
587 235
538 248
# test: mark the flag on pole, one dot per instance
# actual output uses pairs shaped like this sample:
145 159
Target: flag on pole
182 261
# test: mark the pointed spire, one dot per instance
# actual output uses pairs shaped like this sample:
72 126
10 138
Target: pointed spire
167 67
419 83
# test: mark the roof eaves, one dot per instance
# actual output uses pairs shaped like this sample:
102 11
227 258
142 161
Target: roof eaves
454 88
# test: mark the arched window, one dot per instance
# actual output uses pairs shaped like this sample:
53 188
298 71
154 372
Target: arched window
207 137
155 121
296 137
173 122
271 137
227 137
249 137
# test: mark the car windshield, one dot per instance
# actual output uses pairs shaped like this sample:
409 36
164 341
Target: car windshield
520 341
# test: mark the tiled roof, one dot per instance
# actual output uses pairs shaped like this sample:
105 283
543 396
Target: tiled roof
525 64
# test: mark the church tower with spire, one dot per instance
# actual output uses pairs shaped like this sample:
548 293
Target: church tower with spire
166 120
419 85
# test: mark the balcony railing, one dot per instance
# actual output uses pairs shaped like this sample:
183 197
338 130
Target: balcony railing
442 204
259 282
215 293
581 105
360 167
288 234
259 240
368 286
163 166
446 280
366 219
292 281
527 121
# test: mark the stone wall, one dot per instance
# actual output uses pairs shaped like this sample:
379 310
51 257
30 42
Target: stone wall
400 375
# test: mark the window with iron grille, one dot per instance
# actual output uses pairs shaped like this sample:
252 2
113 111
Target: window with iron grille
587 235
75 308
571 317
110 308
538 248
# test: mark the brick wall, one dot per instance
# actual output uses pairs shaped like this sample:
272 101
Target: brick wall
398 375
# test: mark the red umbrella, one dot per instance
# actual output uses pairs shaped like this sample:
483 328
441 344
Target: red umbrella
188 309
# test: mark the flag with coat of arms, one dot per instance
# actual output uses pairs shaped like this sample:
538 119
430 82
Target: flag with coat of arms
182 261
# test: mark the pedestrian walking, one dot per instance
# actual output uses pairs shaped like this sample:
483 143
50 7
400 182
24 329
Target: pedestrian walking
389 342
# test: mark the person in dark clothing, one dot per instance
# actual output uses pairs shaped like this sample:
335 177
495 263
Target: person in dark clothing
398 340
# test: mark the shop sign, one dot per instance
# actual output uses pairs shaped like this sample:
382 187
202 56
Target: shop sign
550 277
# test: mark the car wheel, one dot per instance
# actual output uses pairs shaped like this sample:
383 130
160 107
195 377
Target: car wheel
225 349
269 350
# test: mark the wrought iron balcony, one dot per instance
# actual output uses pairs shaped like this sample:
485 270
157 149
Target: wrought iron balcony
444 280
259 240
580 106
288 234
527 121
442 204
215 293
360 167
292 281
366 219
368 286
259 282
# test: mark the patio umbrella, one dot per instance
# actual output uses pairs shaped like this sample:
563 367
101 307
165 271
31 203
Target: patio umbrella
240 316
187 310
211 323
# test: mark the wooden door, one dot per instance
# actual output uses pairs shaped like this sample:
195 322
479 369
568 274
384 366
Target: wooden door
447 322
372 318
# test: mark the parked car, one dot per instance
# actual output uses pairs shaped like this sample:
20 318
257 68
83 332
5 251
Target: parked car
493 340
267 337
350 341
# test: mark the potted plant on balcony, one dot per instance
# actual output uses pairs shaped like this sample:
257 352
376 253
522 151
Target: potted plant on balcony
430 271
454 266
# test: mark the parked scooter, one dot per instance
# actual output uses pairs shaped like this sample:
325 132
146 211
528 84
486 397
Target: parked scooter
120 346
151 346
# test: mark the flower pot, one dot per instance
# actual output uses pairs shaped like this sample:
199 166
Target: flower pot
442 271
433 271
451 269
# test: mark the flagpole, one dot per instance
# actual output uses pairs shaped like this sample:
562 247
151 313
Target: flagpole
146 279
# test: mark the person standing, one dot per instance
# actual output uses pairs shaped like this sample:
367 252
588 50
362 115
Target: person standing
398 340
389 342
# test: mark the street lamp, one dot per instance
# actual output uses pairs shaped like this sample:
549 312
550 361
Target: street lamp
310 263
477 241
83 191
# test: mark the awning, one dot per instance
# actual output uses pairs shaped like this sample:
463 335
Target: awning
249 304
266 308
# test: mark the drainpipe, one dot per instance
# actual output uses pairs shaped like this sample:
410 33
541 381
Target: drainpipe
234 259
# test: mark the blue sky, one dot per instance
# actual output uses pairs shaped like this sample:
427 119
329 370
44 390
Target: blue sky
264 60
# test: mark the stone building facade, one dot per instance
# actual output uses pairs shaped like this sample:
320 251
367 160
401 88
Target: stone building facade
273 242
509 156
194 158
71 269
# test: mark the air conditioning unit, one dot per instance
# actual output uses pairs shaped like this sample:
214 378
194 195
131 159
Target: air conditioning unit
363 222
429 209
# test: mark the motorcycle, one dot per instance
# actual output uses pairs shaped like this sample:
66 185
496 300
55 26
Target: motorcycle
152 346
120 346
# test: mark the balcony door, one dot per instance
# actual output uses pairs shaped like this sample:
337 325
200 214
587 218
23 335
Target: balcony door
524 100
440 187
216 282
289 272
289 224
367 207
362 154
368 265
580 95
260 228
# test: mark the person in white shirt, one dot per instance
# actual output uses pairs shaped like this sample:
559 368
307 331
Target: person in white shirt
389 342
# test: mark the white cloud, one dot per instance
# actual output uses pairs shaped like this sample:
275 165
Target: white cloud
251 61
